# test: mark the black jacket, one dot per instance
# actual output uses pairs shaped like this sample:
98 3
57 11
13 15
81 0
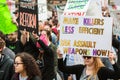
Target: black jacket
6 68
48 72
103 73
116 44
16 77
16 47
30 47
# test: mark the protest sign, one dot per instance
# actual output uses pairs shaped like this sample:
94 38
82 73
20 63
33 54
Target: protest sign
76 7
86 35
94 8
104 3
60 9
42 10
11 6
6 24
116 20
28 15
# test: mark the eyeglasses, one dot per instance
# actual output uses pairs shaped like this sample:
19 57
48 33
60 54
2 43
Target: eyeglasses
87 57
17 64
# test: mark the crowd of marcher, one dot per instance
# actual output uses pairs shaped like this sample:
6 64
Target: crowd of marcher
29 56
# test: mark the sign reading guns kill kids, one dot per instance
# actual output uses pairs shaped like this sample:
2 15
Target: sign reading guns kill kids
28 16
90 36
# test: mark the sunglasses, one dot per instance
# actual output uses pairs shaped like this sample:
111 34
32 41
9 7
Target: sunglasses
87 57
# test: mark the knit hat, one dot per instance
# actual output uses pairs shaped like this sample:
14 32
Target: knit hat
44 39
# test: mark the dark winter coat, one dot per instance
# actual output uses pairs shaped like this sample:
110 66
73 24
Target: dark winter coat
16 77
48 72
6 68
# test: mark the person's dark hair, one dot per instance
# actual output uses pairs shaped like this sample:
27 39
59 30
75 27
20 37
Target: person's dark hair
49 35
46 22
2 35
30 64
49 25
55 22
16 11
49 18
2 43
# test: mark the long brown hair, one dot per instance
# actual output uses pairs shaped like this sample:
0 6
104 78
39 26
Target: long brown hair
97 64
30 64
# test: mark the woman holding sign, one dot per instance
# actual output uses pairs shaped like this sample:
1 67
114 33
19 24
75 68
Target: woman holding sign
92 70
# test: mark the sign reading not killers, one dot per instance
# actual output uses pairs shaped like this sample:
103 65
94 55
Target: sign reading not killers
28 15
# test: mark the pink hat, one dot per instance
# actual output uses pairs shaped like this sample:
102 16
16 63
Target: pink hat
44 39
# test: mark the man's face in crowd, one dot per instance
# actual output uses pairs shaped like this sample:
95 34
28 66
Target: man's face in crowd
12 37
2 44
